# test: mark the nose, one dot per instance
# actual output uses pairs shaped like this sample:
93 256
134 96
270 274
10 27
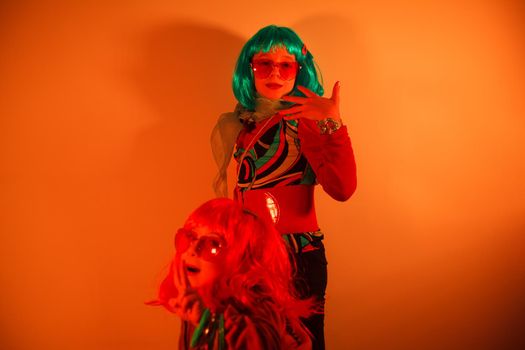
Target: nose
275 69
191 251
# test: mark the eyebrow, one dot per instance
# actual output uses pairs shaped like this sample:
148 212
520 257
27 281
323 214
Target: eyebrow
208 234
267 55
212 234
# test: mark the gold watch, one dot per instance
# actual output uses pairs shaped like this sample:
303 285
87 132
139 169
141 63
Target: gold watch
328 126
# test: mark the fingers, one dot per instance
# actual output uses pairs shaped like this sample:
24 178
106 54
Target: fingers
291 110
295 99
295 112
188 301
299 99
185 282
313 106
177 274
189 306
307 92
303 111
335 92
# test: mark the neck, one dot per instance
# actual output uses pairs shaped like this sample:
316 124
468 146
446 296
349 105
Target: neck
264 108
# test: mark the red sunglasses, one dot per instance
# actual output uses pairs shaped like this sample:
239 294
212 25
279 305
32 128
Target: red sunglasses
208 248
263 68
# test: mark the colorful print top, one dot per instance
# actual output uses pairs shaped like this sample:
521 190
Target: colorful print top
274 157
280 152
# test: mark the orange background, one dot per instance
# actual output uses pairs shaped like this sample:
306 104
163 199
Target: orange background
106 110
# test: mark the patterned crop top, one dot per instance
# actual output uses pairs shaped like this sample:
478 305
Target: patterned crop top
270 156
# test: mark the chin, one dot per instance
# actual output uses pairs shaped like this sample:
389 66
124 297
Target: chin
273 95
195 283
198 283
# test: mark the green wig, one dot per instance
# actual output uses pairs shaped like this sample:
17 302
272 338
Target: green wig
265 40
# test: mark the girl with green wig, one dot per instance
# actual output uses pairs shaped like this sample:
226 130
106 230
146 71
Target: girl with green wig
286 138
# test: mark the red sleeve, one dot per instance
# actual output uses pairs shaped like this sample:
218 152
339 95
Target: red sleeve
331 157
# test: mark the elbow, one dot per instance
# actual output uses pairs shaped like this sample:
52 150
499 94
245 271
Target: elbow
344 192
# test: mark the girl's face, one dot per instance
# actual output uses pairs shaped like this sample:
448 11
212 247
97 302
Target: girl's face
201 255
274 72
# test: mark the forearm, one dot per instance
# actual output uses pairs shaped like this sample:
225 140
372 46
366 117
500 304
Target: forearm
331 157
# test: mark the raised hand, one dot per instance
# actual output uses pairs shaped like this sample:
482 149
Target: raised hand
313 106
188 304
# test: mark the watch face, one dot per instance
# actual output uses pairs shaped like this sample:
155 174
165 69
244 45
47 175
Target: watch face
328 125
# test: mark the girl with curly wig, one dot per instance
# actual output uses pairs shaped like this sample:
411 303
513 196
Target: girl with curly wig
286 138
230 282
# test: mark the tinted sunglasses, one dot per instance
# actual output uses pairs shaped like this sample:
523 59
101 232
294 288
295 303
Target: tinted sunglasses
263 68
207 247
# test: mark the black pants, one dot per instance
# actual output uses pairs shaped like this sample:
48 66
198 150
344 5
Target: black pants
310 280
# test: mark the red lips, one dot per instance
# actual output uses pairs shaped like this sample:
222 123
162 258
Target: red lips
273 86
192 269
